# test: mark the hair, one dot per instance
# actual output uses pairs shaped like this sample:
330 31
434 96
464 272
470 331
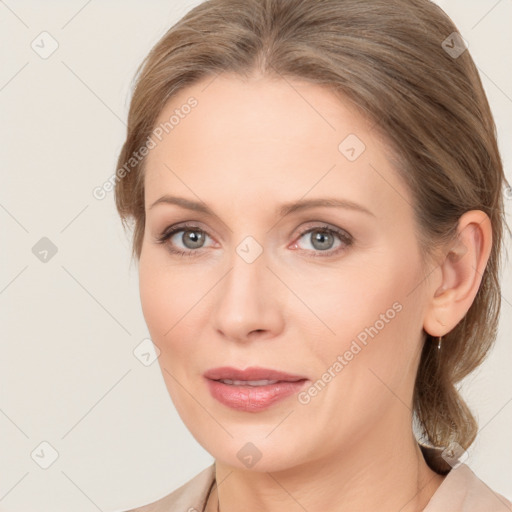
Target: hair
387 58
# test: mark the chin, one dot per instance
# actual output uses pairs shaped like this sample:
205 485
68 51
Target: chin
254 452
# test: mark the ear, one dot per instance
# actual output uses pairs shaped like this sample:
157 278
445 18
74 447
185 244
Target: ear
459 275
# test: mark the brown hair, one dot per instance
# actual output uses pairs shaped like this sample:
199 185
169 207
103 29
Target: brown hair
387 57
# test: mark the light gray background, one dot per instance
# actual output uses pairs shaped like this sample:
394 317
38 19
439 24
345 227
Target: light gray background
68 374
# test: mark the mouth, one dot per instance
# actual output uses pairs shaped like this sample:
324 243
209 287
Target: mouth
264 382
253 389
252 374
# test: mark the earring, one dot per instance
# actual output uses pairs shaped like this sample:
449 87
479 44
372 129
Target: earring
439 343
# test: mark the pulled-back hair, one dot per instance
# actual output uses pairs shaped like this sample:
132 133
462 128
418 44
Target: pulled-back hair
391 59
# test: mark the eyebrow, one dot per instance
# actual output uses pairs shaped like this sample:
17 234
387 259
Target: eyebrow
284 209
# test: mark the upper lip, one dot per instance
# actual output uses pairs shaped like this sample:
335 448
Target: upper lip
251 373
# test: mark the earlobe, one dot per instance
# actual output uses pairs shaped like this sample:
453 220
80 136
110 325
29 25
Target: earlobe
460 271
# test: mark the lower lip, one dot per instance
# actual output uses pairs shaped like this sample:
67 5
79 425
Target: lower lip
253 398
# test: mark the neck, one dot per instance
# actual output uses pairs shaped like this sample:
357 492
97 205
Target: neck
373 476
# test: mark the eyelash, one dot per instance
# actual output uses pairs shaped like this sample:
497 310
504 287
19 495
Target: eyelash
342 235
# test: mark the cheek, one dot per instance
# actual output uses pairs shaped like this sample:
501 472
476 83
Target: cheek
166 302
367 315
340 303
166 292
154 300
164 310
174 310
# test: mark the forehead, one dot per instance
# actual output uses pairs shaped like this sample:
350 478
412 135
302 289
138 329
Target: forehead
255 137
286 111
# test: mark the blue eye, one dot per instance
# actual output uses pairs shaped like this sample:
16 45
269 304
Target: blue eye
193 235
193 238
322 239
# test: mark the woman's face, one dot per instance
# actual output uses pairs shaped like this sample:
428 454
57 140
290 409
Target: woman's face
333 295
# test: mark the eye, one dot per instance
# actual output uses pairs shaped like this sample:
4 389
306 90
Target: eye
192 238
322 239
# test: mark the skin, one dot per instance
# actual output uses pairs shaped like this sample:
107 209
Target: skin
248 147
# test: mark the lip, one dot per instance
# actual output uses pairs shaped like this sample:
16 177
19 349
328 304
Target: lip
249 398
250 373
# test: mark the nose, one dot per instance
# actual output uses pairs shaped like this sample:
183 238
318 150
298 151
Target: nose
248 300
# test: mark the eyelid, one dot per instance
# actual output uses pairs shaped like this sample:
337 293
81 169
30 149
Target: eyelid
342 233
345 237
176 228
183 226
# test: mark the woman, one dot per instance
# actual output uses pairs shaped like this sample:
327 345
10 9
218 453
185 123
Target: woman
316 192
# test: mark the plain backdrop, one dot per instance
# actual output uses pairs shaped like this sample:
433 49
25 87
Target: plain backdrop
73 394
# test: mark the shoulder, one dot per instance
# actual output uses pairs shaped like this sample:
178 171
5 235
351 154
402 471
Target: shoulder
190 497
462 491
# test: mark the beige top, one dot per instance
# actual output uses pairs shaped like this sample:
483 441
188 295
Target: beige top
460 491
